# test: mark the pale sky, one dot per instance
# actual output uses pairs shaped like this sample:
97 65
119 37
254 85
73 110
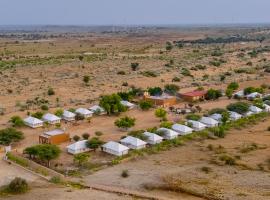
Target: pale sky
133 12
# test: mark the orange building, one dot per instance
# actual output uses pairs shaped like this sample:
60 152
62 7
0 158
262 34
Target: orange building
54 137
164 100
194 96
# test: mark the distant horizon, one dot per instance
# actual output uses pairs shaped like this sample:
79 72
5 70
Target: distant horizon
131 12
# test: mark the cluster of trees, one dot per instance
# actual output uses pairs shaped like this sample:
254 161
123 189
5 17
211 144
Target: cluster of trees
125 122
10 135
112 104
213 94
250 90
229 39
43 153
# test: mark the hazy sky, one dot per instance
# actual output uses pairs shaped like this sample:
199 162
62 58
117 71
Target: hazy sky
104 12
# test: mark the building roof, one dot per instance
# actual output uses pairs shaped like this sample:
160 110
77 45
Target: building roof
161 97
84 111
68 114
32 120
96 108
50 117
208 120
133 141
152 136
115 146
168 132
196 93
197 124
182 128
78 145
54 132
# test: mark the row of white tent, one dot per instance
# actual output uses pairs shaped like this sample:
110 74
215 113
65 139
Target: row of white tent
69 116
251 96
121 148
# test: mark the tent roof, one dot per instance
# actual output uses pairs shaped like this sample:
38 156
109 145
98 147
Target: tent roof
32 120
168 131
50 117
115 146
84 111
182 128
152 136
133 141
68 114
78 145
197 124
96 108
208 120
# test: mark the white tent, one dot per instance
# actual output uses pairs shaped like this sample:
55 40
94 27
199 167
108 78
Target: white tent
152 138
128 104
167 134
84 112
51 118
115 148
97 110
133 143
255 109
68 116
78 147
216 117
209 122
33 122
196 125
234 115
254 95
182 129
239 94
266 108
248 113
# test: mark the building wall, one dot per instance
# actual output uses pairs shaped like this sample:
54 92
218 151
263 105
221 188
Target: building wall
161 102
57 139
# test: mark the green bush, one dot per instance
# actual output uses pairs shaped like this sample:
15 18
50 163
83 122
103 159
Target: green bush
239 107
125 174
18 186
17 121
145 105
193 117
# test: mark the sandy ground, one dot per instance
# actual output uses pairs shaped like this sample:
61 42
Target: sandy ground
9 172
184 163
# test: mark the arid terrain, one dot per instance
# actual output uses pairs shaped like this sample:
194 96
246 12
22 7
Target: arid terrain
31 62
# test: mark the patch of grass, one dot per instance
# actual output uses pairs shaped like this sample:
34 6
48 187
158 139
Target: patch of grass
228 160
125 173
17 160
206 170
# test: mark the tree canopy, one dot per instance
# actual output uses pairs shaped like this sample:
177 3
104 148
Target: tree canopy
43 152
10 135
94 143
125 122
112 104
239 107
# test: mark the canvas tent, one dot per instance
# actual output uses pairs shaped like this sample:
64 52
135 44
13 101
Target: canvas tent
51 118
182 129
97 110
254 95
167 134
84 112
78 147
234 116
255 109
209 122
152 138
239 94
128 104
196 125
115 148
68 116
33 122
216 116
133 143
